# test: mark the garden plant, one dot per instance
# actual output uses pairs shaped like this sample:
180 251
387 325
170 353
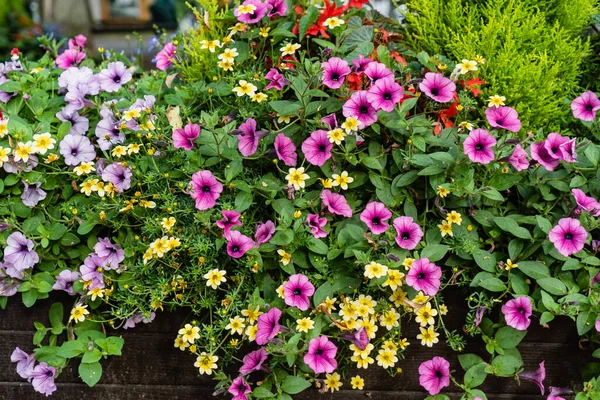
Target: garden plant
306 187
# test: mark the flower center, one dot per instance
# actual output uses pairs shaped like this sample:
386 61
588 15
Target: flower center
74 152
521 310
588 107
335 76
235 248
242 388
376 221
438 374
117 79
319 352
499 121
554 149
405 235
363 109
387 96
322 148
206 189
297 292
420 275
568 236
435 91
23 247
478 147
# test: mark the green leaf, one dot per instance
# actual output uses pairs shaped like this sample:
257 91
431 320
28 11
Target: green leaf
281 238
90 357
86 227
294 384
283 207
29 297
311 16
592 152
112 345
90 373
553 286
69 239
489 282
585 322
475 375
57 231
11 87
72 348
435 252
534 269
317 246
508 337
243 201
262 393
485 260
543 223
64 129
506 365
469 360
56 317
285 107
493 194
361 35
511 226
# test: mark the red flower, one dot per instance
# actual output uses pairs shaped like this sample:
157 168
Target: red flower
357 3
354 81
330 10
470 85
444 117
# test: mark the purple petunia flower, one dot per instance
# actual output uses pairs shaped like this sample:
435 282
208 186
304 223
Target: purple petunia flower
336 203
248 137
264 232
560 147
277 80
78 42
316 225
334 72
64 281
518 158
276 7
536 377
556 392
230 219
517 312
330 120
69 57
76 96
540 154
5 96
317 148
118 175
268 326
19 252
360 338
297 291
239 388
25 363
91 271
568 236
376 71
253 361
375 215
42 379
408 232
184 138
320 356
114 77
385 94
259 10
478 146
585 106
360 64
286 150
79 123
110 253
359 107
108 133
434 375
437 87
137 318
206 189
9 280
425 276
165 57
503 117
32 194
586 203
238 244
76 149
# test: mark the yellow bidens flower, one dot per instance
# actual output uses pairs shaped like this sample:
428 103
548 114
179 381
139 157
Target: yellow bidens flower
446 228
466 66
342 180
168 223
407 263
284 119
281 291
119 151
3 127
78 313
180 343
421 298
386 358
264 31
228 55
95 293
206 363
297 214
389 319
236 325
23 151
496 101
286 257
304 325
375 270
246 9
428 336
42 142
336 136
333 382
480 59
84 168
4 152
131 114
239 27
327 183
245 88
510 265
357 382
133 148
289 49
215 277
442 66
394 279
425 315
333 22
259 97
454 218
466 125
251 331
443 309
442 191
189 333
350 124
297 177
211 45
252 314
225 65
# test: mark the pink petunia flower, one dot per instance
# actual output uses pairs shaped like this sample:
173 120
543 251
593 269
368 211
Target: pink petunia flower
264 232
361 63
248 137
268 326
230 219
375 215
238 244
316 225
517 312
320 356
586 203
568 236
518 158
276 7
553 144
425 276
376 71
330 120
317 148
239 388
260 10
297 291
184 138
286 150
434 375
540 154
536 377
78 42
437 87
556 392
334 72
206 189
336 203
253 361
585 106
165 57
359 107
385 94
478 146
408 232
69 58
360 338
276 80
503 117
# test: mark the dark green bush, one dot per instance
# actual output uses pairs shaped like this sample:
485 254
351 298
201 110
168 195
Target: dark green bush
533 49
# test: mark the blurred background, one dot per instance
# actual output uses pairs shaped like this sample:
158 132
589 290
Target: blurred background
107 23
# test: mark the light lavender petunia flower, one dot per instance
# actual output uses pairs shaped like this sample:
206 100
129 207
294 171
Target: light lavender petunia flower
79 123
118 175
19 252
25 363
43 379
110 253
76 149
32 194
64 281
114 77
